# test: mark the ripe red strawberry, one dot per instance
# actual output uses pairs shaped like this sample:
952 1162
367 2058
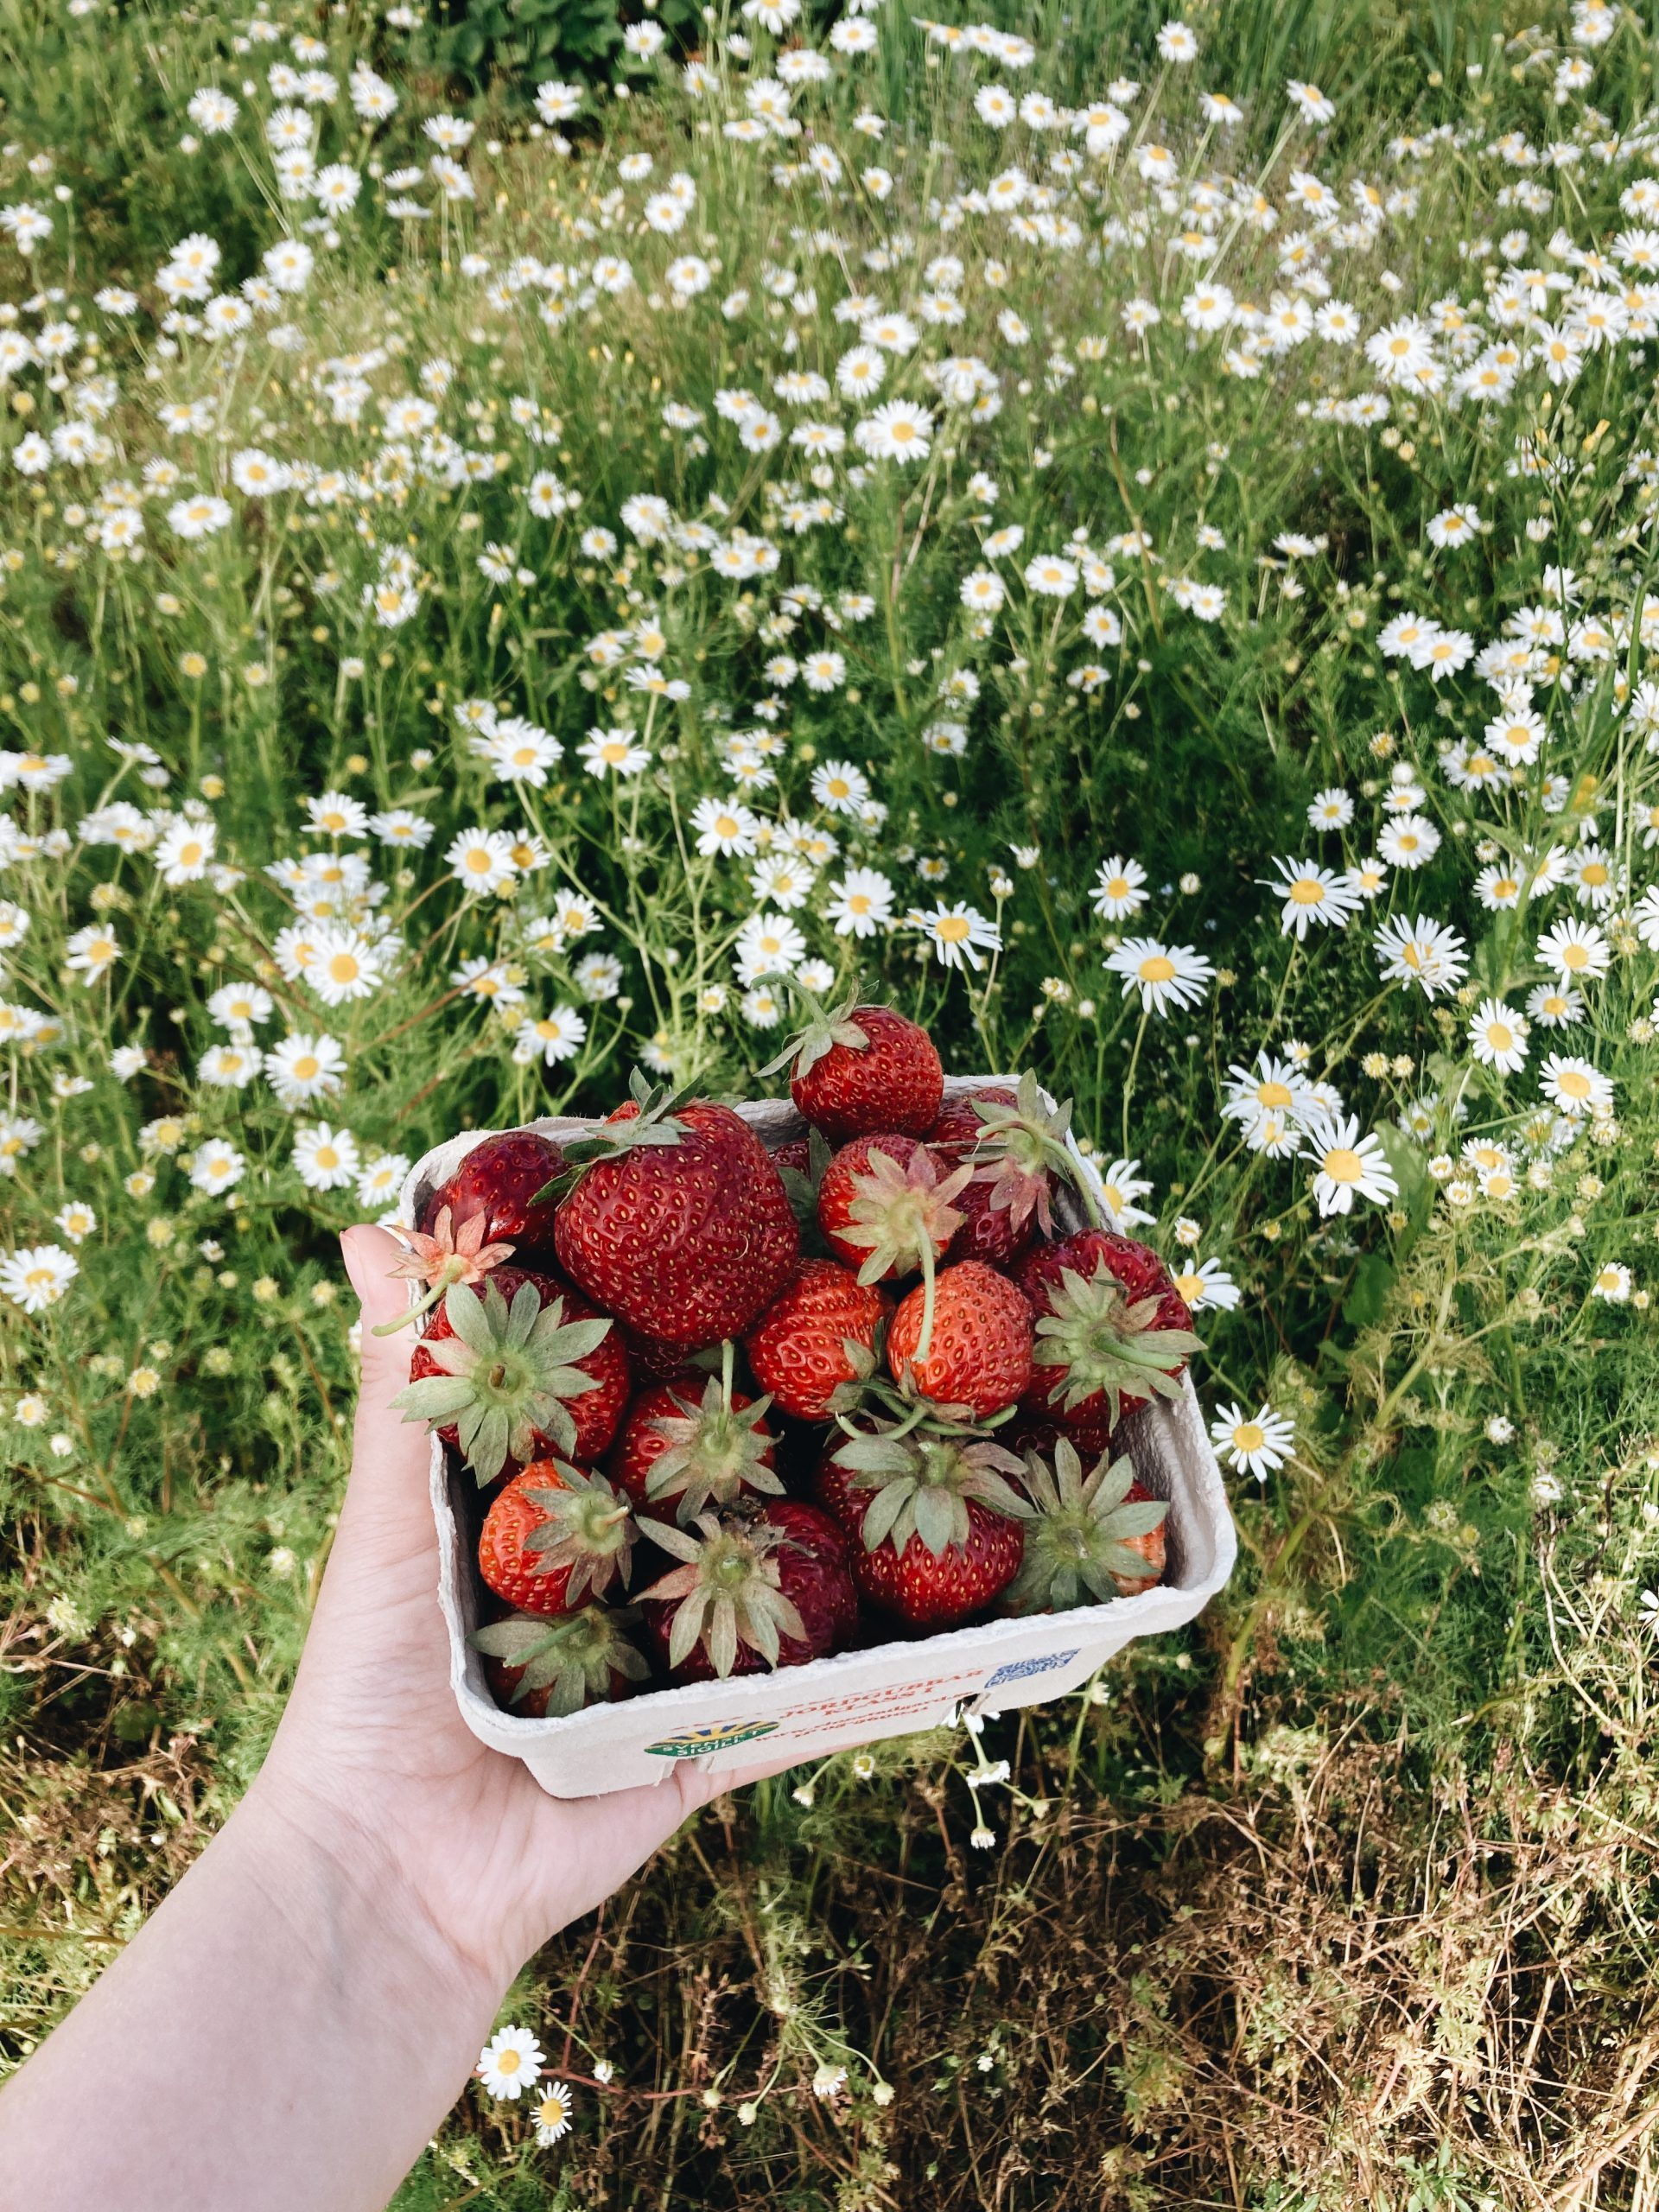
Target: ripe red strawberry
885 1208
762 1587
517 1366
934 1531
1019 1149
696 1443
499 1182
554 1535
678 1223
960 1125
650 1356
818 1337
855 1070
1112 1330
1091 1537
544 1668
795 1154
980 1355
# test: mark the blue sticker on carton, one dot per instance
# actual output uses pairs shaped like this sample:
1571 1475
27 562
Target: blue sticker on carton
1021 1671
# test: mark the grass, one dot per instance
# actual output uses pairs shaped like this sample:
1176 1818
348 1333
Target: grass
1347 1896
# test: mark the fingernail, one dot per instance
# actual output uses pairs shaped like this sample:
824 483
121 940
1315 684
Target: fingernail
356 1272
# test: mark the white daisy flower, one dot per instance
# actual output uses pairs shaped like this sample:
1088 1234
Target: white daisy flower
1257 1444
509 2064
1346 1166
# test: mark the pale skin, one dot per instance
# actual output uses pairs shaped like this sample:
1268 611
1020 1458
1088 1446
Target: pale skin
291 2026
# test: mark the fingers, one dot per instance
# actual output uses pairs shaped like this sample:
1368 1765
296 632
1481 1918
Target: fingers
713 1782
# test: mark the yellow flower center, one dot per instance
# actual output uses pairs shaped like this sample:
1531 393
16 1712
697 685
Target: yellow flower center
1343 1165
952 929
1249 1436
1157 968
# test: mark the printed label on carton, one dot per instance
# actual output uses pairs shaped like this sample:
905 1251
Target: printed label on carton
713 1736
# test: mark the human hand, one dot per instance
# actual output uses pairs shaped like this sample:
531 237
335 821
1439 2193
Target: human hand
373 1758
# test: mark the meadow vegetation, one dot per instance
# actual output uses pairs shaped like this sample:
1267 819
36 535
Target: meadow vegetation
1134 537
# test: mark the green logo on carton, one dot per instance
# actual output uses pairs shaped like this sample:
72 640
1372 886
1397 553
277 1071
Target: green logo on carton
714 1736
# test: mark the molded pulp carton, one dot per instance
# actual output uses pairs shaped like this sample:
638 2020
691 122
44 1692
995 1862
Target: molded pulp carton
857 1696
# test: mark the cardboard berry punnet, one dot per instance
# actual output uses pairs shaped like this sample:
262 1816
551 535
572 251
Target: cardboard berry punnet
888 1689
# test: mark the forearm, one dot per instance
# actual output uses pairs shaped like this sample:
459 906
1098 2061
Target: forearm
286 2032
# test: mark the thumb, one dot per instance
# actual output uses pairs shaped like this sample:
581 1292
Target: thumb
370 1256
388 1451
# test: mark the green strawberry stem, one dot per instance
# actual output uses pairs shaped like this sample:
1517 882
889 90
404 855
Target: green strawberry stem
924 1339
453 1271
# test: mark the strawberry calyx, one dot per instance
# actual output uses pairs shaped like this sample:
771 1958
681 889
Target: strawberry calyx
1077 1546
727 1591
588 1531
508 1372
802 1184
442 1258
1106 1345
862 1363
1021 1149
650 1117
825 1028
717 1451
573 1658
920 1473
901 1218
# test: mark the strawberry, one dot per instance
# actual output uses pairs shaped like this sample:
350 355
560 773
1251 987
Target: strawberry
960 1125
1018 1148
796 1155
516 1366
548 1668
677 1222
500 1183
765 1585
650 1356
1090 1538
935 1530
818 1338
693 1444
855 1070
980 1356
884 1208
1112 1330
553 1535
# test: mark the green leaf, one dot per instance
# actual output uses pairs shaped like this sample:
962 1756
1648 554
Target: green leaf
1368 1295
1410 1169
